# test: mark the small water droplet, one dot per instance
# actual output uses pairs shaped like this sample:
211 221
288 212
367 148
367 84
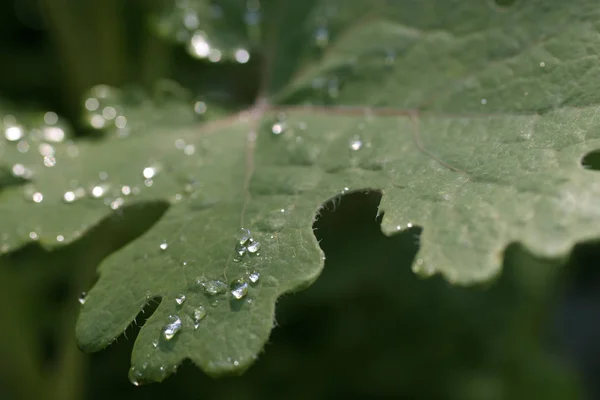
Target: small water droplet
82 298
241 251
37 197
409 225
151 171
163 246
189 150
155 343
172 328
542 64
72 195
483 102
199 314
239 289
60 238
33 235
14 133
236 363
390 58
117 203
322 36
180 299
356 144
99 191
200 107
133 376
253 246
242 56
125 190
214 287
278 128
243 236
254 276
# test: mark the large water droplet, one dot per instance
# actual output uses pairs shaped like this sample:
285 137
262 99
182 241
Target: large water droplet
214 287
199 314
180 299
243 236
253 246
239 289
172 328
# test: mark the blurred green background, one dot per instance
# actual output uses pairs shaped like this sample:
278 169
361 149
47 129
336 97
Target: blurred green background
368 328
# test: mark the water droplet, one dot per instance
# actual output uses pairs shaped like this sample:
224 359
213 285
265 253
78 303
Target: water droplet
189 150
134 375
322 36
278 128
33 235
409 225
483 102
125 190
117 203
180 299
199 46
37 197
99 191
151 171
199 314
243 236
19 170
356 144
239 289
242 56
72 195
254 276
254 246
60 238
82 298
172 328
200 107
542 64
214 287
14 133
163 246
240 250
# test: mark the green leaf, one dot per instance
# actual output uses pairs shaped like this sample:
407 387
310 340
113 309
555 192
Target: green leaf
471 119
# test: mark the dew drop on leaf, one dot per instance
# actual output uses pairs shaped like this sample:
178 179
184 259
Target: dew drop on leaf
99 191
82 298
322 36
214 287
242 56
199 108
172 327
180 299
254 276
254 246
243 236
356 144
239 289
163 246
199 314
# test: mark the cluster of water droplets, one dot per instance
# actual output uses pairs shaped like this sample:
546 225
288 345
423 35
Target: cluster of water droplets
37 135
204 29
245 244
102 109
